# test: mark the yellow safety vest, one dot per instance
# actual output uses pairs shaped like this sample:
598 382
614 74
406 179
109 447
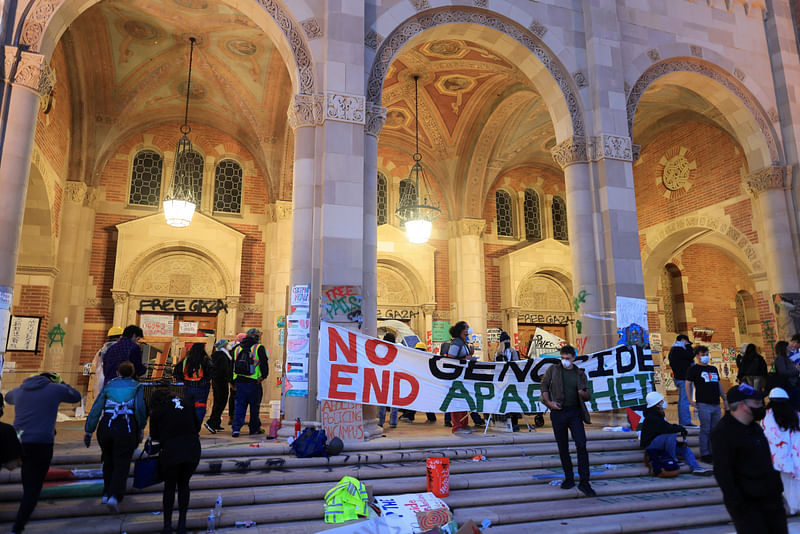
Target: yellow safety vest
346 501
256 360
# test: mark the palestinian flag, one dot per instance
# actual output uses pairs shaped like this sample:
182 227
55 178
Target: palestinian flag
635 417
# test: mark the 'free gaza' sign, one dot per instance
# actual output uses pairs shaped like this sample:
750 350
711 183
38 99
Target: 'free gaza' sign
357 368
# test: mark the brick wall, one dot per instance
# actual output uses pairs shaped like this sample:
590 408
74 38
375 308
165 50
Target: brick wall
253 263
33 301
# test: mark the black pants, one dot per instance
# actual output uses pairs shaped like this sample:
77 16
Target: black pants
176 476
232 404
116 445
411 413
571 419
36 459
220 400
766 516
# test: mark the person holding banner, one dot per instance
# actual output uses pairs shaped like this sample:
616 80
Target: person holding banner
565 390
460 350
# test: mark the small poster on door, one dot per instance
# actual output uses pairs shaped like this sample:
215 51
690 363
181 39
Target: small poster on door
187 328
157 325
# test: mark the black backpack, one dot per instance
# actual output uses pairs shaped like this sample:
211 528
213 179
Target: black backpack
310 443
245 361
444 349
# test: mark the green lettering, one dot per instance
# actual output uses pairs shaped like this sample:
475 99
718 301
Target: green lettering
622 391
601 394
534 396
510 395
643 379
483 391
457 391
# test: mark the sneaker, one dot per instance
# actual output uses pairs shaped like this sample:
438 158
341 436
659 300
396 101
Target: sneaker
219 428
113 505
568 484
235 434
448 425
210 428
256 432
691 425
430 421
701 472
707 458
392 426
586 489
462 431
104 500
406 419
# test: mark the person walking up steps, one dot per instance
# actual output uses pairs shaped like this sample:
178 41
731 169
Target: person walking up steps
250 368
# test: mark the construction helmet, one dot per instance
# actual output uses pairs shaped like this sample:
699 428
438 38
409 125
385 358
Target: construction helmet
115 331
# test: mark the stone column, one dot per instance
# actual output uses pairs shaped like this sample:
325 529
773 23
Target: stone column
231 324
572 156
121 311
768 187
467 274
27 77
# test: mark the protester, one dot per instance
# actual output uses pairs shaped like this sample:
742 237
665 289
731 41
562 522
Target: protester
119 415
788 372
680 359
125 349
222 363
565 390
114 334
195 371
794 348
36 402
460 350
252 355
659 435
232 397
175 426
506 353
408 415
782 429
751 488
389 337
708 391
753 368
10 449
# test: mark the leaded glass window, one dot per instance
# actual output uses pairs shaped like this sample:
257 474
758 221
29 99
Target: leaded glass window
533 217
146 179
195 160
383 212
741 313
668 300
560 219
505 217
228 187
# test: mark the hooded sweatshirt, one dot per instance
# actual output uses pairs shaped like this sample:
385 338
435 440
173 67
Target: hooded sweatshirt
36 402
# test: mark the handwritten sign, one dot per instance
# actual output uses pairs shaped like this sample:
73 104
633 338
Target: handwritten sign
183 305
441 331
301 295
631 311
340 304
23 334
342 420
188 327
157 325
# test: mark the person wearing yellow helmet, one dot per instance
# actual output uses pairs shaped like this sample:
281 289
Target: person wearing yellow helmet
97 363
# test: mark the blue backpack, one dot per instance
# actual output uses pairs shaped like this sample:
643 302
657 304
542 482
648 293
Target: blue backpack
311 442
663 465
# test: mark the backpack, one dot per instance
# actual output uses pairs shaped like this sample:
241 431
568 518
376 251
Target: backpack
196 376
311 442
244 362
662 465
444 349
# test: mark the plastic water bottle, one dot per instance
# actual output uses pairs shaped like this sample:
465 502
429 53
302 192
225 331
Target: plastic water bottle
212 520
245 524
218 507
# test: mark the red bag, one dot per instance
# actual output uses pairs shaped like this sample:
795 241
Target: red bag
438 474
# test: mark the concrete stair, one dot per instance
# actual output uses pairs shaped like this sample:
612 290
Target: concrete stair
284 494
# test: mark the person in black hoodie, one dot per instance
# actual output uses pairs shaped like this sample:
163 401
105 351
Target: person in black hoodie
222 363
658 434
681 357
753 368
751 487
175 426
37 401
250 368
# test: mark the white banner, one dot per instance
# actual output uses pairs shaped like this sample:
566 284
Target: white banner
356 368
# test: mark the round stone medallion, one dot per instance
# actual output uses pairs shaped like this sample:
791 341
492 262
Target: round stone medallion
676 172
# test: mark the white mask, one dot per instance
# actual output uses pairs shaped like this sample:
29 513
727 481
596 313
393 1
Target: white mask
664 405
470 331
704 359
566 363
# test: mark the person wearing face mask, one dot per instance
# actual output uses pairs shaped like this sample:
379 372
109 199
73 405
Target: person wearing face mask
507 353
461 350
751 487
782 428
659 435
680 359
708 391
565 390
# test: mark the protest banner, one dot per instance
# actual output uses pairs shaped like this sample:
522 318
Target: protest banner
353 367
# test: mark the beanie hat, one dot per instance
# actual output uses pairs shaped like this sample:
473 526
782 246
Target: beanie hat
220 343
504 336
253 332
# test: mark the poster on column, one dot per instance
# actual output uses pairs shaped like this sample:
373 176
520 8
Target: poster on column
353 367
298 335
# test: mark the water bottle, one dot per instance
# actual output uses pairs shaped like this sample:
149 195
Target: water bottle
211 521
245 524
218 507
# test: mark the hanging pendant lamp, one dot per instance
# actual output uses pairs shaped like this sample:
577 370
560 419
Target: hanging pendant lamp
417 210
179 203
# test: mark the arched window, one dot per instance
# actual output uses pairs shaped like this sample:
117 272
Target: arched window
533 217
505 216
560 219
673 299
741 313
747 317
196 179
228 187
383 210
146 179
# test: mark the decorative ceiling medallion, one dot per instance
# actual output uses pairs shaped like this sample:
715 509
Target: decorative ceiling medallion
196 92
141 31
445 48
241 47
675 170
192 4
396 118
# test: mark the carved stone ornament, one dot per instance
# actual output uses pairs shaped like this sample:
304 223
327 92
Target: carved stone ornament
376 117
306 111
697 51
120 297
479 3
695 66
466 227
419 5
250 308
774 177
232 301
570 151
373 40
312 28
75 192
607 146
345 108
421 22
34 74
636 151
9 60
94 302
283 209
580 79
42 11
538 29
653 54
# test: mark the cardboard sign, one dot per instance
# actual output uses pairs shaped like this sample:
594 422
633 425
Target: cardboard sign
157 325
343 420
187 328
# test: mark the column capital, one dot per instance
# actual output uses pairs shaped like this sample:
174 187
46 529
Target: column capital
75 192
772 177
429 308
376 117
232 301
570 151
465 227
305 111
283 209
609 146
119 296
28 70
344 107
512 312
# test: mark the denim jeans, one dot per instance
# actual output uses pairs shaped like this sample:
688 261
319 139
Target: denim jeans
684 416
668 443
248 394
709 415
197 395
382 416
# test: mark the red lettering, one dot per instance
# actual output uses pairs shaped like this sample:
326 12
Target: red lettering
335 341
397 400
338 380
391 352
371 383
